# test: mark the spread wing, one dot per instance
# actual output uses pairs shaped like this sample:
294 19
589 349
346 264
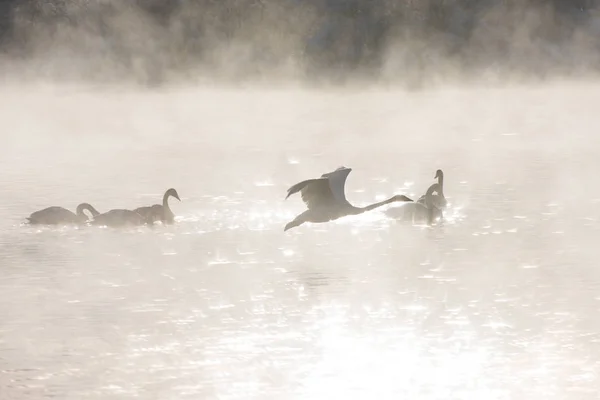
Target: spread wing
337 183
315 192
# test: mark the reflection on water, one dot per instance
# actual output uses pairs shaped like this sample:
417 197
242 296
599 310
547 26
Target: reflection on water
497 302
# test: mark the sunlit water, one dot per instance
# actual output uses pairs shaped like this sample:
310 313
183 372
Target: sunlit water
500 301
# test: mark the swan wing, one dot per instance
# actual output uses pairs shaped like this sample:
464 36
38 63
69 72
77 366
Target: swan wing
436 200
52 215
298 187
337 183
439 202
315 192
118 217
144 211
52 211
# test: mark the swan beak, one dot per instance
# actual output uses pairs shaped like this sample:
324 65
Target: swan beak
176 196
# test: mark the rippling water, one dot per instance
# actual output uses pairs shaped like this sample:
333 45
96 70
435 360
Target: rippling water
499 302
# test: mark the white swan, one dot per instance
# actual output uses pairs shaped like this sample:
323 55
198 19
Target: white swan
326 200
159 212
56 215
425 212
439 200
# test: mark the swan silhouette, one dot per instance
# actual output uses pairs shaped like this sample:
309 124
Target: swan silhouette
159 212
58 215
121 217
438 200
426 211
326 200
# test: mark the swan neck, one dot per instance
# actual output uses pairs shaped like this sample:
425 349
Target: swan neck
165 201
375 205
85 206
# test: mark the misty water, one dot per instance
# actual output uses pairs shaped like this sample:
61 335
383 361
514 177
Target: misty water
500 301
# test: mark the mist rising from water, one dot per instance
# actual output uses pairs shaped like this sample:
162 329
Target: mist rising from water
410 43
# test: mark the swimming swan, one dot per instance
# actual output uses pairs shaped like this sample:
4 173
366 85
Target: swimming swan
439 200
427 211
159 212
326 200
58 215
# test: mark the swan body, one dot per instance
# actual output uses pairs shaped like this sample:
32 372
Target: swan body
159 212
121 217
58 215
425 212
438 199
326 200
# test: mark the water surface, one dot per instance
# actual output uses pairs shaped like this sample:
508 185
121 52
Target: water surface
498 302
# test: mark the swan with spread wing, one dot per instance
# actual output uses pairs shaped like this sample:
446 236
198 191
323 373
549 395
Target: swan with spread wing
326 200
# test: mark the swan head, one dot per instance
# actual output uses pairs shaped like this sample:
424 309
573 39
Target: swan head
438 174
172 192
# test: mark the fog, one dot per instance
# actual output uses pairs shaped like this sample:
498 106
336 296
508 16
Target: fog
497 301
414 44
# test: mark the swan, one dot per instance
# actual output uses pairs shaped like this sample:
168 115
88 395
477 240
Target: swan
159 212
326 200
58 215
121 217
439 200
427 211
